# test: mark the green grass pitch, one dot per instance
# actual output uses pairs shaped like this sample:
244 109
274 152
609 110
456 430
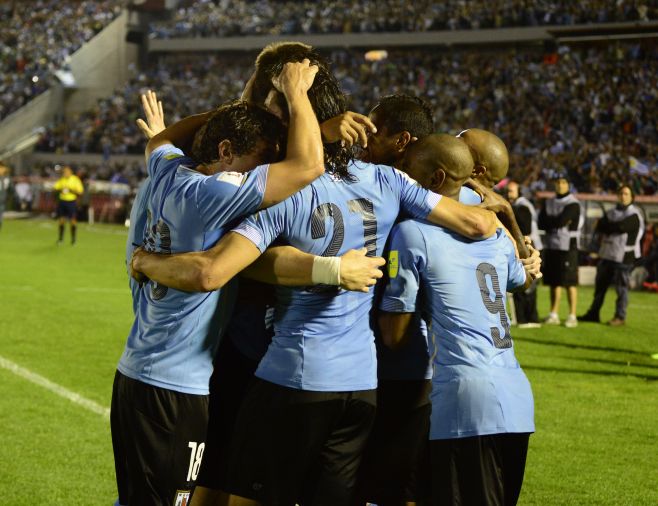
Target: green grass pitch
65 312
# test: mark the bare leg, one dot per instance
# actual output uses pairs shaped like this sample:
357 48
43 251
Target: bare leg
572 297
235 500
203 496
556 295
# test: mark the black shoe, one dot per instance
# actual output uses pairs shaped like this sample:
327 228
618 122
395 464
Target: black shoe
588 317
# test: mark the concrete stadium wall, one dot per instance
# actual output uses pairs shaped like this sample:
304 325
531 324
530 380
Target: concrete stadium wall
101 65
27 119
446 37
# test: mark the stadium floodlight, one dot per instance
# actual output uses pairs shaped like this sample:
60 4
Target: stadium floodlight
376 55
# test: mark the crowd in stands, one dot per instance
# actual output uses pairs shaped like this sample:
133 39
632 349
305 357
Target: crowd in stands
590 111
225 18
37 37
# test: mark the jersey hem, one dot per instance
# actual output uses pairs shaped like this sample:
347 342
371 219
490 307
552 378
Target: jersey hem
161 384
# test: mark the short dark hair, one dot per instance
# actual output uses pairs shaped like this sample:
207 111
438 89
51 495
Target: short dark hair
405 113
243 124
630 188
325 95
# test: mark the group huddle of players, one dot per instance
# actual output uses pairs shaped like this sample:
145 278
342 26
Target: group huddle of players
300 381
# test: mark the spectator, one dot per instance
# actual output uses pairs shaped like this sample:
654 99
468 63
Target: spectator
620 234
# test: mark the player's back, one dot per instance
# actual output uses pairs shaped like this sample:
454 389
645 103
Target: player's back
323 339
476 375
175 333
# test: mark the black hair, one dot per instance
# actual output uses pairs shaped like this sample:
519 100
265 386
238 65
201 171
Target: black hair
242 123
405 113
325 95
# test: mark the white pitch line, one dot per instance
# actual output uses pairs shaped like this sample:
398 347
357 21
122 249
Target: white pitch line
54 387
20 288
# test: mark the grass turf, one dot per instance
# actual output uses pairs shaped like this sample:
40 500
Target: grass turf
65 313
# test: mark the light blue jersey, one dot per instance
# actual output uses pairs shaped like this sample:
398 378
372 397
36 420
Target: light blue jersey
136 232
478 387
175 334
469 197
412 361
323 340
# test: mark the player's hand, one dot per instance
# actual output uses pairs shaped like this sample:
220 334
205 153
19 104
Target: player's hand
350 128
490 199
296 78
155 122
134 266
359 272
532 264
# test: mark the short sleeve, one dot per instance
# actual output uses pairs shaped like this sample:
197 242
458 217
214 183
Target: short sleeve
161 155
516 275
226 196
407 258
415 201
265 226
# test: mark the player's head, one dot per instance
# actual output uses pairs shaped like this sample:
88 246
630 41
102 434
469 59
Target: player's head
399 119
625 195
325 94
490 157
239 136
439 162
512 191
561 183
67 171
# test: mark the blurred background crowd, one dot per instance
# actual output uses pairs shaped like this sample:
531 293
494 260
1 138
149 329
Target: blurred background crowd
225 18
37 38
589 111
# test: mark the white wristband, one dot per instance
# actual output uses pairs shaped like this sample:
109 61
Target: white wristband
326 271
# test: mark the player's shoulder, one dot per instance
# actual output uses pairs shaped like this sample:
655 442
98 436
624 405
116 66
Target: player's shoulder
409 231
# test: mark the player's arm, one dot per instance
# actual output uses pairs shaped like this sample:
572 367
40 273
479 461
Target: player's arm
286 265
205 271
470 221
304 160
180 134
197 271
407 259
350 128
78 189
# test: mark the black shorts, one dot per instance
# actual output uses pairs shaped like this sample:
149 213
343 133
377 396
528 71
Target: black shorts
295 446
560 268
478 470
158 437
392 463
66 209
232 374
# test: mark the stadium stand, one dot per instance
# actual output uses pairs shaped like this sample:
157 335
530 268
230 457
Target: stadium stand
37 37
208 18
583 109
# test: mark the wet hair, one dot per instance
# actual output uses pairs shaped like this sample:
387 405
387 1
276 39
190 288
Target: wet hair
405 113
242 123
325 95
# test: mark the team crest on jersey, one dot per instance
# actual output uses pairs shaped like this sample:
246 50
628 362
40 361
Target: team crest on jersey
182 498
234 178
393 264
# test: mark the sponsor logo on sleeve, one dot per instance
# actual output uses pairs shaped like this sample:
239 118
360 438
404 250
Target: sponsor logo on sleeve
393 264
173 156
234 178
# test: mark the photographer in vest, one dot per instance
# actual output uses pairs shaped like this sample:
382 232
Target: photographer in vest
620 233
562 220
525 301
